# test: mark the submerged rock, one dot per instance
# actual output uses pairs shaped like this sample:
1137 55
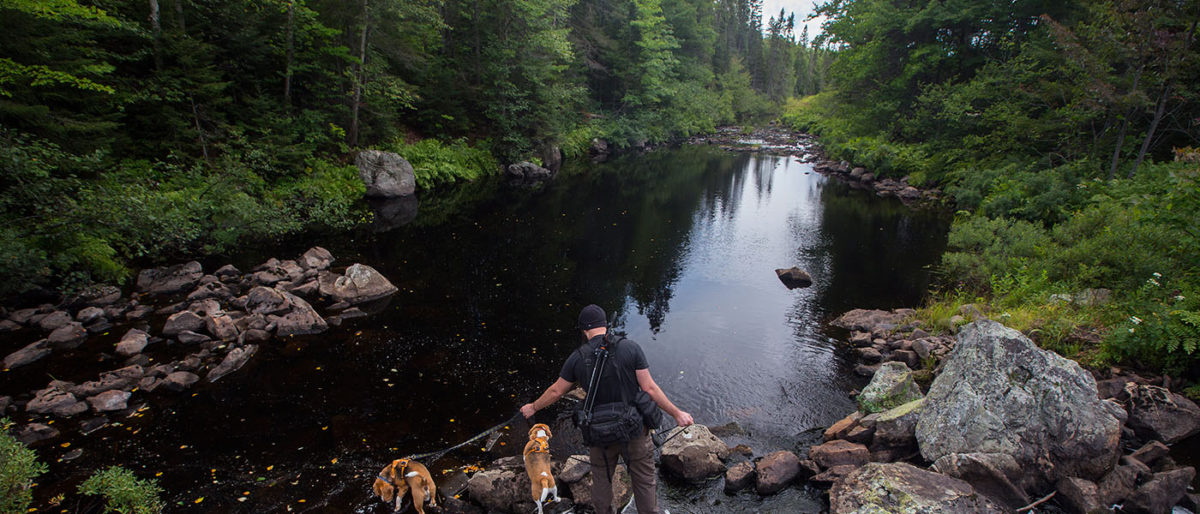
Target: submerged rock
233 361
999 393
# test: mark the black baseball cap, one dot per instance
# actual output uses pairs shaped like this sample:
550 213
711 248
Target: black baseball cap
591 317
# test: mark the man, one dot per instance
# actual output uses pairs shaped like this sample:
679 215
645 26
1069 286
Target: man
639 452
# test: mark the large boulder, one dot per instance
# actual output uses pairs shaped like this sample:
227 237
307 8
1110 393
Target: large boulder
315 258
54 321
183 321
170 280
892 386
1000 393
1158 414
774 471
359 284
695 454
901 487
385 174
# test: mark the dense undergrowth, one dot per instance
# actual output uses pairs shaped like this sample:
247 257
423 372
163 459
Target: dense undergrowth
1030 240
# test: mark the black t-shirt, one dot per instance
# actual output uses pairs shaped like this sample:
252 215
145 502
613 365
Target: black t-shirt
628 358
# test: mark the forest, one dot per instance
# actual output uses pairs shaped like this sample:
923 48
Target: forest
1064 134
138 131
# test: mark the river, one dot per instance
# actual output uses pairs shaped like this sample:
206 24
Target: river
681 244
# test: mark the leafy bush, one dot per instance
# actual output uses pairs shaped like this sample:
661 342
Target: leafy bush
18 467
1163 325
435 162
124 492
980 248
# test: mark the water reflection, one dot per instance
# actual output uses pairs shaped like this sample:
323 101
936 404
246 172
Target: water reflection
681 244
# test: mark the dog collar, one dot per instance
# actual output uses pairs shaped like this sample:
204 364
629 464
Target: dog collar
385 480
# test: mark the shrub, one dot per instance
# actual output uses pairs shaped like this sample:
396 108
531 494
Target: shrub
435 162
18 467
1162 328
980 248
124 492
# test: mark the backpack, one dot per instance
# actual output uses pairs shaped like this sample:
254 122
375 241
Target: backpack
611 422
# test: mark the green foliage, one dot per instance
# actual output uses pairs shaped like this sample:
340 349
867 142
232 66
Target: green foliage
124 492
1163 325
18 468
435 162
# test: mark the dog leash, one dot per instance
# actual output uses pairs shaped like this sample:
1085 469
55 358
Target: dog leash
438 454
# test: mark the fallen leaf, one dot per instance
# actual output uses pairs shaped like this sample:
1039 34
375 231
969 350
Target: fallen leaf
200 499
269 468
334 461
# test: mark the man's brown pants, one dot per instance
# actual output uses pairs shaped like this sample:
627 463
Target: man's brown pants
640 457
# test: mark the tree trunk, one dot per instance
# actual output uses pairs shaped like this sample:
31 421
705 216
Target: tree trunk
291 53
1112 169
1158 114
179 16
156 30
358 80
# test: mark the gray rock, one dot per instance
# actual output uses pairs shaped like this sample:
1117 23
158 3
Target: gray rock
183 321
302 319
30 353
123 379
1161 493
385 174
170 280
794 277
1158 414
9 325
52 400
232 362
527 171
54 321
895 429
34 432
138 312
89 314
227 272
1079 495
179 380
694 455
359 284
189 337
773 472
581 491
316 258
996 475
892 386
999 393
574 469
1117 484
901 487
133 342
869 355
265 300
1151 452
221 326
871 320
109 401
68 336
218 290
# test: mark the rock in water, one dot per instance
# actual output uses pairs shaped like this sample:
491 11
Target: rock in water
360 284
695 454
999 393
794 277
901 487
385 174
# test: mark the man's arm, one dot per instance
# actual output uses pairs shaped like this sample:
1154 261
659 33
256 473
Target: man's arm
552 394
647 383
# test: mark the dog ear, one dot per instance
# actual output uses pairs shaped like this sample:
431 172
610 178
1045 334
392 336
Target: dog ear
384 490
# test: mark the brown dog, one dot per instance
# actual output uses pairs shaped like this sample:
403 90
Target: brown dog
537 465
403 476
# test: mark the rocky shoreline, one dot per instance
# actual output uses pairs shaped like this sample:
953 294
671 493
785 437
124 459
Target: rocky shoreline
214 324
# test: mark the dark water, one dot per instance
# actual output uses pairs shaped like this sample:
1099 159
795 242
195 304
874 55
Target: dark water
681 244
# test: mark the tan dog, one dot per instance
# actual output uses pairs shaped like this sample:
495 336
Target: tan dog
537 465
403 476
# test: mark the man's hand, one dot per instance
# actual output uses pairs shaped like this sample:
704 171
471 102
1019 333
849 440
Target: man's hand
528 411
683 419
